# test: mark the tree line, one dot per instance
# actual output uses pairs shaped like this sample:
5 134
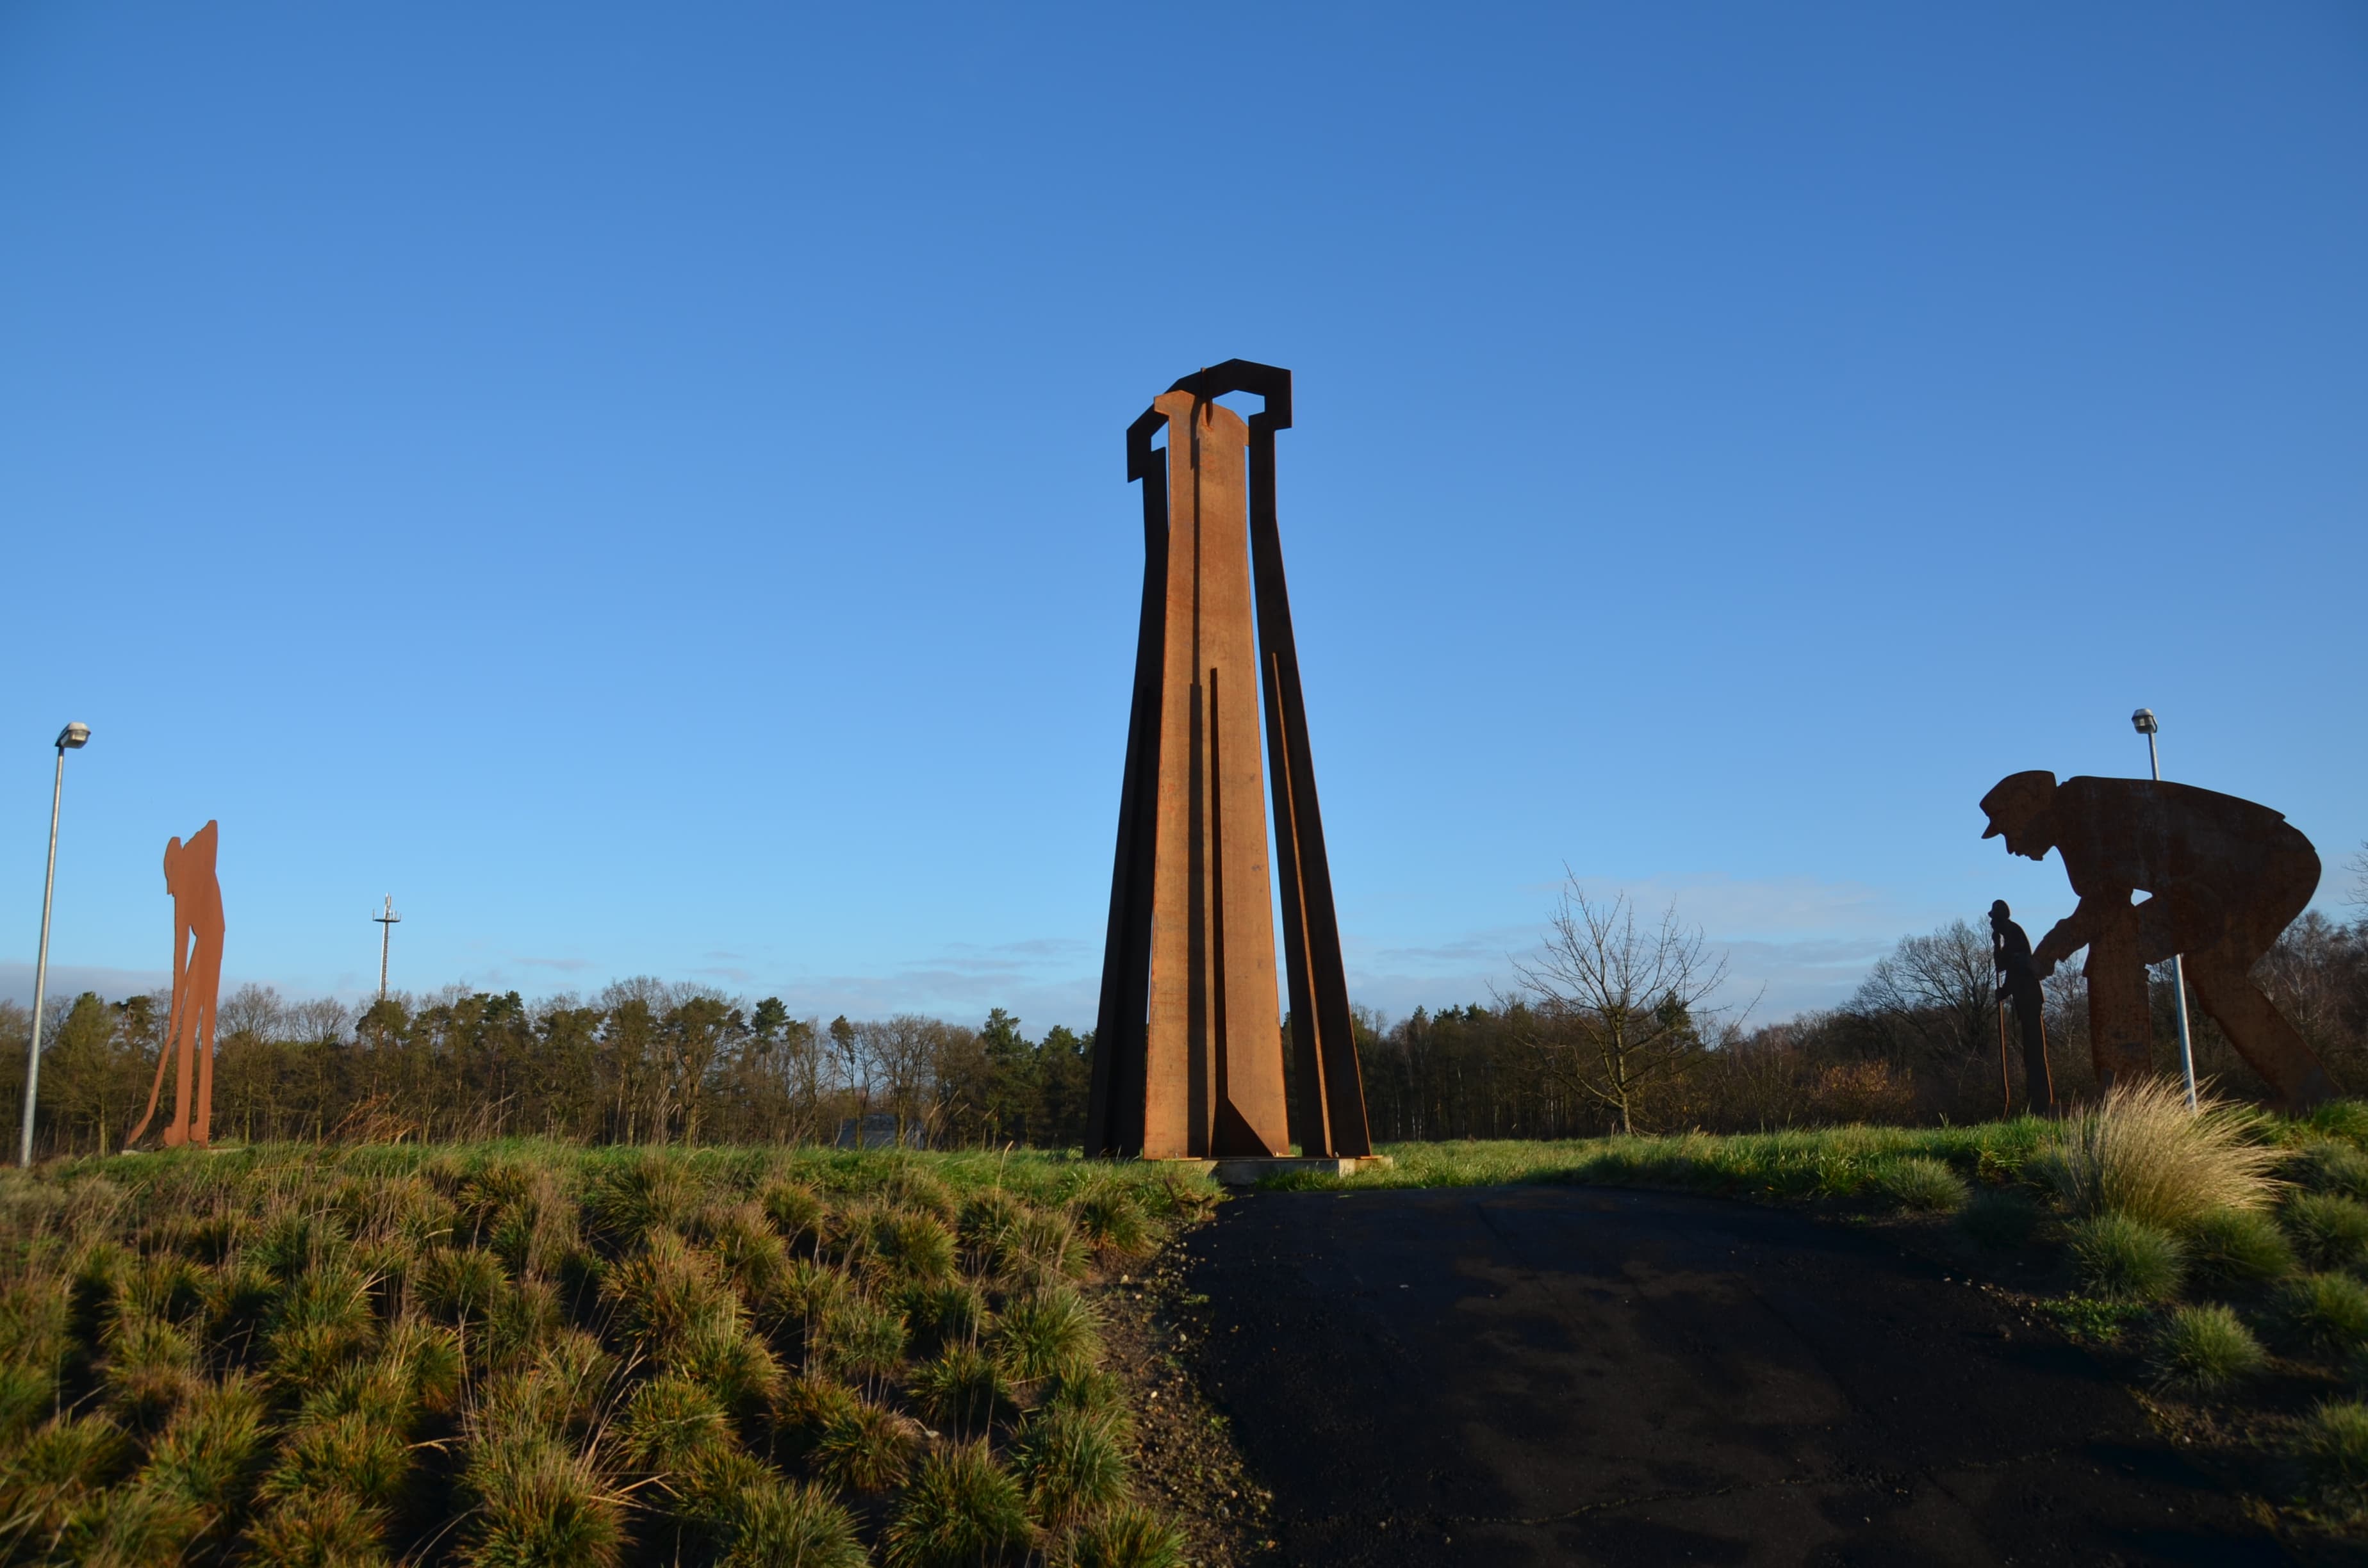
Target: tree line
1919 1040
1611 1026
644 1061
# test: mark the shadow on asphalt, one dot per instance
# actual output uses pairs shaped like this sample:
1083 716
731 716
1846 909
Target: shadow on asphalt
1588 1375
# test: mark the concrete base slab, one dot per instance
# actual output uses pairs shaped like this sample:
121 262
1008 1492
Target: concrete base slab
1250 1171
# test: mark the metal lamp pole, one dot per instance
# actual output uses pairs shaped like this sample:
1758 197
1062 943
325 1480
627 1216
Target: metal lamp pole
2146 725
73 737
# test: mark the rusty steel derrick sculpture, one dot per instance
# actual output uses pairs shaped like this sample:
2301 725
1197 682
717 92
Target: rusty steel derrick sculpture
2227 876
197 985
1187 1051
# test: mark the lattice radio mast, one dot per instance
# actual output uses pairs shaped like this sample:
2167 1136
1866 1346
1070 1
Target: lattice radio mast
386 924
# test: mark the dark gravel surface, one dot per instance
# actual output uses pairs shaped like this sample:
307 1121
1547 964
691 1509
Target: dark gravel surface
1588 1375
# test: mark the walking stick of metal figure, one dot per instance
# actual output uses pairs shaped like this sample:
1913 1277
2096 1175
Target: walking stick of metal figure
2005 1074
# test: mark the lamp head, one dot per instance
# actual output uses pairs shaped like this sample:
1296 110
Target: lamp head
73 737
2144 721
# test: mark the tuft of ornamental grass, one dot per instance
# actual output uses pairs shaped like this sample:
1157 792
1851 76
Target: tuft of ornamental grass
902 1246
2125 1259
460 1286
321 1321
2141 1155
1069 1466
1110 1219
962 1511
989 1221
808 1292
350 1453
54 1469
541 1505
725 1357
130 1527
859 1339
670 1422
755 1257
626 1199
863 1447
756 1520
1923 1186
1045 1335
943 1315
2332 1445
318 1529
1124 1537
1096 1395
1042 1250
2330 1231
805 1408
2344 1119
2204 1349
2239 1247
151 1366
796 1212
660 1293
2326 1164
962 1390
2326 1312
209 1454
1999 1219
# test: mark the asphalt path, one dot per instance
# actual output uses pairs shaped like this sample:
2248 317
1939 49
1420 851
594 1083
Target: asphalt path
1586 1375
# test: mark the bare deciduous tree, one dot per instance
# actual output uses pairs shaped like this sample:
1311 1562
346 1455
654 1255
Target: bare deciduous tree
1618 1007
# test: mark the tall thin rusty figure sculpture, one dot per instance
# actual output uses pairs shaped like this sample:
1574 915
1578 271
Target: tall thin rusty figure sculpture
197 985
1188 1055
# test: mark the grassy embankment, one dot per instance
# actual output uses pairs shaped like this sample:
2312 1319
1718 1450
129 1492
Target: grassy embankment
517 1354
2220 1258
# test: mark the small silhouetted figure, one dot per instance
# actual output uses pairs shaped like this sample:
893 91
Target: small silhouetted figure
2019 984
196 985
2228 876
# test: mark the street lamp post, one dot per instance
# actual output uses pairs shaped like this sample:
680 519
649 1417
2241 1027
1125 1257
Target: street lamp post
2146 725
71 738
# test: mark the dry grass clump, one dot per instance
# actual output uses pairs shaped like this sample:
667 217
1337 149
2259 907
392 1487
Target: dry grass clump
2142 1154
525 1355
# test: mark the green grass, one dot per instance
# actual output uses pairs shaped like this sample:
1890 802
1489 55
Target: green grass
2125 1259
1923 1184
2239 1247
2332 1445
1797 1164
519 1353
2326 1312
2330 1231
2204 1348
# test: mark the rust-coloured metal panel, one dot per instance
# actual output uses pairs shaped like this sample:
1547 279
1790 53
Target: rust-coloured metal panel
197 928
1188 1058
2226 875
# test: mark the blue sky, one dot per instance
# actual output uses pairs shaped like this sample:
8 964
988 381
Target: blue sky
644 485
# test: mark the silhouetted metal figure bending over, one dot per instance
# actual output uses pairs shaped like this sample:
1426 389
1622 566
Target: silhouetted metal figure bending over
1188 1053
197 985
2018 985
2228 876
